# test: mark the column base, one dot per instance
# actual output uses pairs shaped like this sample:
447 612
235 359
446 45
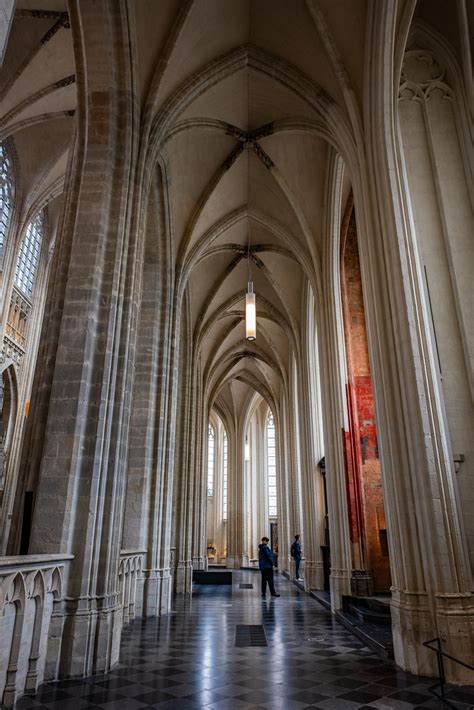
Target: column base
413 623
455 621
199 562
184 577
156 592
339 585
235 562
313 575
91 636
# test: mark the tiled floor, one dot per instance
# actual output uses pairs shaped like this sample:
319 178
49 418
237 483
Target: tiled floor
189 660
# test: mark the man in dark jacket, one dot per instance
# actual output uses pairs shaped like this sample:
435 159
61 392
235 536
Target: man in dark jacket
296 555
265 563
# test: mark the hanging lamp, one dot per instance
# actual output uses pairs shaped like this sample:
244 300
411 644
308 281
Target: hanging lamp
250 303
250 313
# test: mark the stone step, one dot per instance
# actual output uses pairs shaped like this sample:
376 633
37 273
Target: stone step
368 609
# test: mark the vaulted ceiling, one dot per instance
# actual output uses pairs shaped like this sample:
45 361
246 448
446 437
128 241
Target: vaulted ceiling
246 165
246 153
38 99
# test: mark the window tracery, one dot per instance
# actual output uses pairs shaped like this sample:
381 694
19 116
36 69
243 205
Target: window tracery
29 254
6 196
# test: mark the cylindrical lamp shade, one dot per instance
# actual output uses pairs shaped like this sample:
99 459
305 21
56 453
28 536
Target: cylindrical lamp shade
247 451
250 314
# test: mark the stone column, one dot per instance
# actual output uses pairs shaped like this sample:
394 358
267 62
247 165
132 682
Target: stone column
183 502
151 459
286 513
157 591
431 575
7 11
199 475
235 539
86 400
259 492
311 453
331 357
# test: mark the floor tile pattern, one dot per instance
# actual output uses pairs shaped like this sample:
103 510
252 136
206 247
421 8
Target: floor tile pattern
188 660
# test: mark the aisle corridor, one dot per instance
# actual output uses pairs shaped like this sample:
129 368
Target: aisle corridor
189 660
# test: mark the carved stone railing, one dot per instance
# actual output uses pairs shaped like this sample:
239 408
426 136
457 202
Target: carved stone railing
20 309
11 351
30 622
131 583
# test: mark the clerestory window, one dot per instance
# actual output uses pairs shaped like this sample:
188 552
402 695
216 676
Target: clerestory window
271 468
28 257
224 477
210 460
6 196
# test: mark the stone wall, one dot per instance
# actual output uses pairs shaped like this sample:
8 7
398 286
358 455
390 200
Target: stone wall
364 483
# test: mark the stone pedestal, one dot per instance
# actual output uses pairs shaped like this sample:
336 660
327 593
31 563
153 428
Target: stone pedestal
362 583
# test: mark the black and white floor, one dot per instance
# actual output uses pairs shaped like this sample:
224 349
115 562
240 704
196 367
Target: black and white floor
190 660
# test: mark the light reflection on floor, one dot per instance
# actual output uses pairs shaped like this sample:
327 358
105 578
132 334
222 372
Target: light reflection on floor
188 660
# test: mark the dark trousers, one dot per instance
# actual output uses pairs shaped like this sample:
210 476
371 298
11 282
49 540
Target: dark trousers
267 576
297 564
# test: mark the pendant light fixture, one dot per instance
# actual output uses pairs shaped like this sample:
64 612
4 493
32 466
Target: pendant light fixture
250 314
246 449
250 303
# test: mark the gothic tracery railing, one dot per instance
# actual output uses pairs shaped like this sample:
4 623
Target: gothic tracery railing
130 569
31 621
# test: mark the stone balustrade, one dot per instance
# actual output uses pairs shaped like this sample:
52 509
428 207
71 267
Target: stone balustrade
131 584
31 622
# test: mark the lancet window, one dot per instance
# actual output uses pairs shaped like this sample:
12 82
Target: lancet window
28 257
210 460
271 468
6 196
224 476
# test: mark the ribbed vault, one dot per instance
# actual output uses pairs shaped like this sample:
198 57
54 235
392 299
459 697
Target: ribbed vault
245 180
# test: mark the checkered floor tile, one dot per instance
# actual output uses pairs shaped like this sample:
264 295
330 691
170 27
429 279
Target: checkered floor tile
188 660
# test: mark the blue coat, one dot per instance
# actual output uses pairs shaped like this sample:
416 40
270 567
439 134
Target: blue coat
265 557
296 550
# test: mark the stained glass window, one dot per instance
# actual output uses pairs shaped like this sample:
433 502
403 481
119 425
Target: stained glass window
271 468
210 460
6 196
28 258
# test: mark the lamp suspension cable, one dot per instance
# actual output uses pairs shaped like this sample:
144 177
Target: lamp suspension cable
250 304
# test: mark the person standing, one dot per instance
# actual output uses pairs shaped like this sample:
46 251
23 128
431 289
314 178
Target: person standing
296 555
265 563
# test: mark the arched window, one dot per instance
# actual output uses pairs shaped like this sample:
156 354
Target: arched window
6 195
224 476
28 258
210 460
271 467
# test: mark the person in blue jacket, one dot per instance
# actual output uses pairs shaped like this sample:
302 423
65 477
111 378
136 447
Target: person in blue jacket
296 555
265 563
